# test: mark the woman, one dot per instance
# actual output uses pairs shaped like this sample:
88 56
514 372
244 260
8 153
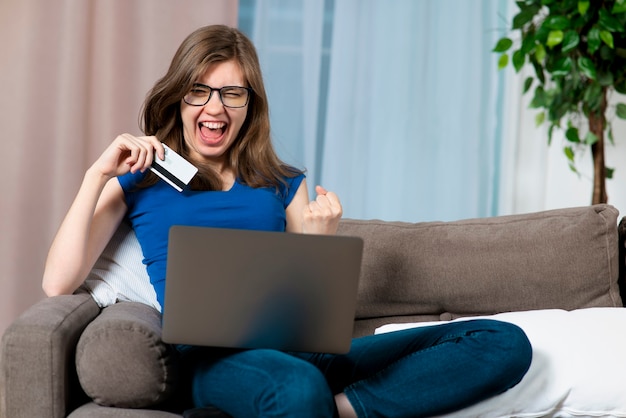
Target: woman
211 107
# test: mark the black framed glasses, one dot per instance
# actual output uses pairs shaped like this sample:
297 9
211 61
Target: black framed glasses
230 96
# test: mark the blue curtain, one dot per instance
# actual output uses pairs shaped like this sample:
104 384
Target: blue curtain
394 105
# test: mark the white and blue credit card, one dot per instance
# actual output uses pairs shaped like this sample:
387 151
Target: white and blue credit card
174 169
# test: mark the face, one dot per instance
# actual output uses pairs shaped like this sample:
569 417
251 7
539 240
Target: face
210 130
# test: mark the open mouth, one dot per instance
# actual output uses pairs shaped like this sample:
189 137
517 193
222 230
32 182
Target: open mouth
212 129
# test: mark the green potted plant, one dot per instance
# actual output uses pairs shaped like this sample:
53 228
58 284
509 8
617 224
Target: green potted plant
577 49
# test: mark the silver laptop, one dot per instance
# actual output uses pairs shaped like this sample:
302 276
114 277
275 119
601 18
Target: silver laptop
258 289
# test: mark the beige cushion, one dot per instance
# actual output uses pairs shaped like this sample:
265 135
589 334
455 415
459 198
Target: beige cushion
577 368
121 361
93 410
557 259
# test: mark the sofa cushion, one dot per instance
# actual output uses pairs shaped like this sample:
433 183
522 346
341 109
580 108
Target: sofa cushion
556 259
93 410
121 360
577 367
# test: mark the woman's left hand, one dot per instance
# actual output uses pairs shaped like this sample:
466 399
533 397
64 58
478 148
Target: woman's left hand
322 215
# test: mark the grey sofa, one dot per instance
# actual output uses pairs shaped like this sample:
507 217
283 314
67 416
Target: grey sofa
66 356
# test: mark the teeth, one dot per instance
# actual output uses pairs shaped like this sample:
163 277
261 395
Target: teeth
213 125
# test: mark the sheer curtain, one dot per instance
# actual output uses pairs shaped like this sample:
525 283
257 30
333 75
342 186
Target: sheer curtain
395 105
74 75
412 129
292 40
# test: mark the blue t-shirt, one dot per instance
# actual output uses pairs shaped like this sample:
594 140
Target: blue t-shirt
153 210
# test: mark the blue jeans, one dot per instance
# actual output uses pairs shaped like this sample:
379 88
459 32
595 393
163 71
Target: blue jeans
418 372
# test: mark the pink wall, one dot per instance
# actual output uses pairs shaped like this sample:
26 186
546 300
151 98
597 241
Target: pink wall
73 75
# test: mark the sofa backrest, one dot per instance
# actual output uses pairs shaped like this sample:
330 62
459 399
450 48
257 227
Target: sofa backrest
556 259
427 271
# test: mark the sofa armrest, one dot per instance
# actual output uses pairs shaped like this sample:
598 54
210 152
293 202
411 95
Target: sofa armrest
121 360
37 357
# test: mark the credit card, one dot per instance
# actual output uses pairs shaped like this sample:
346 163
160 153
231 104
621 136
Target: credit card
174 169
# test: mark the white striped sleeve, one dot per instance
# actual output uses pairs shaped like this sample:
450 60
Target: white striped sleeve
119 274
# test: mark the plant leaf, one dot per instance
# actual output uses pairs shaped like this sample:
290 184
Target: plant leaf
572 167
606 53
541 35
518 60
590 138
527 84
550 130
609 22
587 68
538 69
540 53
619 7
569 153
592 97
620 110
608 172
570 40
555 37
557 23
583 6
620 86
503 45
562 67
593 40
605 79
607 38
503 61
540 118
572 135
539 99
523 17
528 42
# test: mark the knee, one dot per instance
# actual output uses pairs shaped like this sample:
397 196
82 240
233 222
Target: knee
301 385
296 388
509 344
511 338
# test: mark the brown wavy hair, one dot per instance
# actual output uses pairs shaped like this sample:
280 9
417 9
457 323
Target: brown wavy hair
252 155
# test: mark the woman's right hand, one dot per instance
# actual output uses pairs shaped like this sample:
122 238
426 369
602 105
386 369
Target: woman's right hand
128 153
